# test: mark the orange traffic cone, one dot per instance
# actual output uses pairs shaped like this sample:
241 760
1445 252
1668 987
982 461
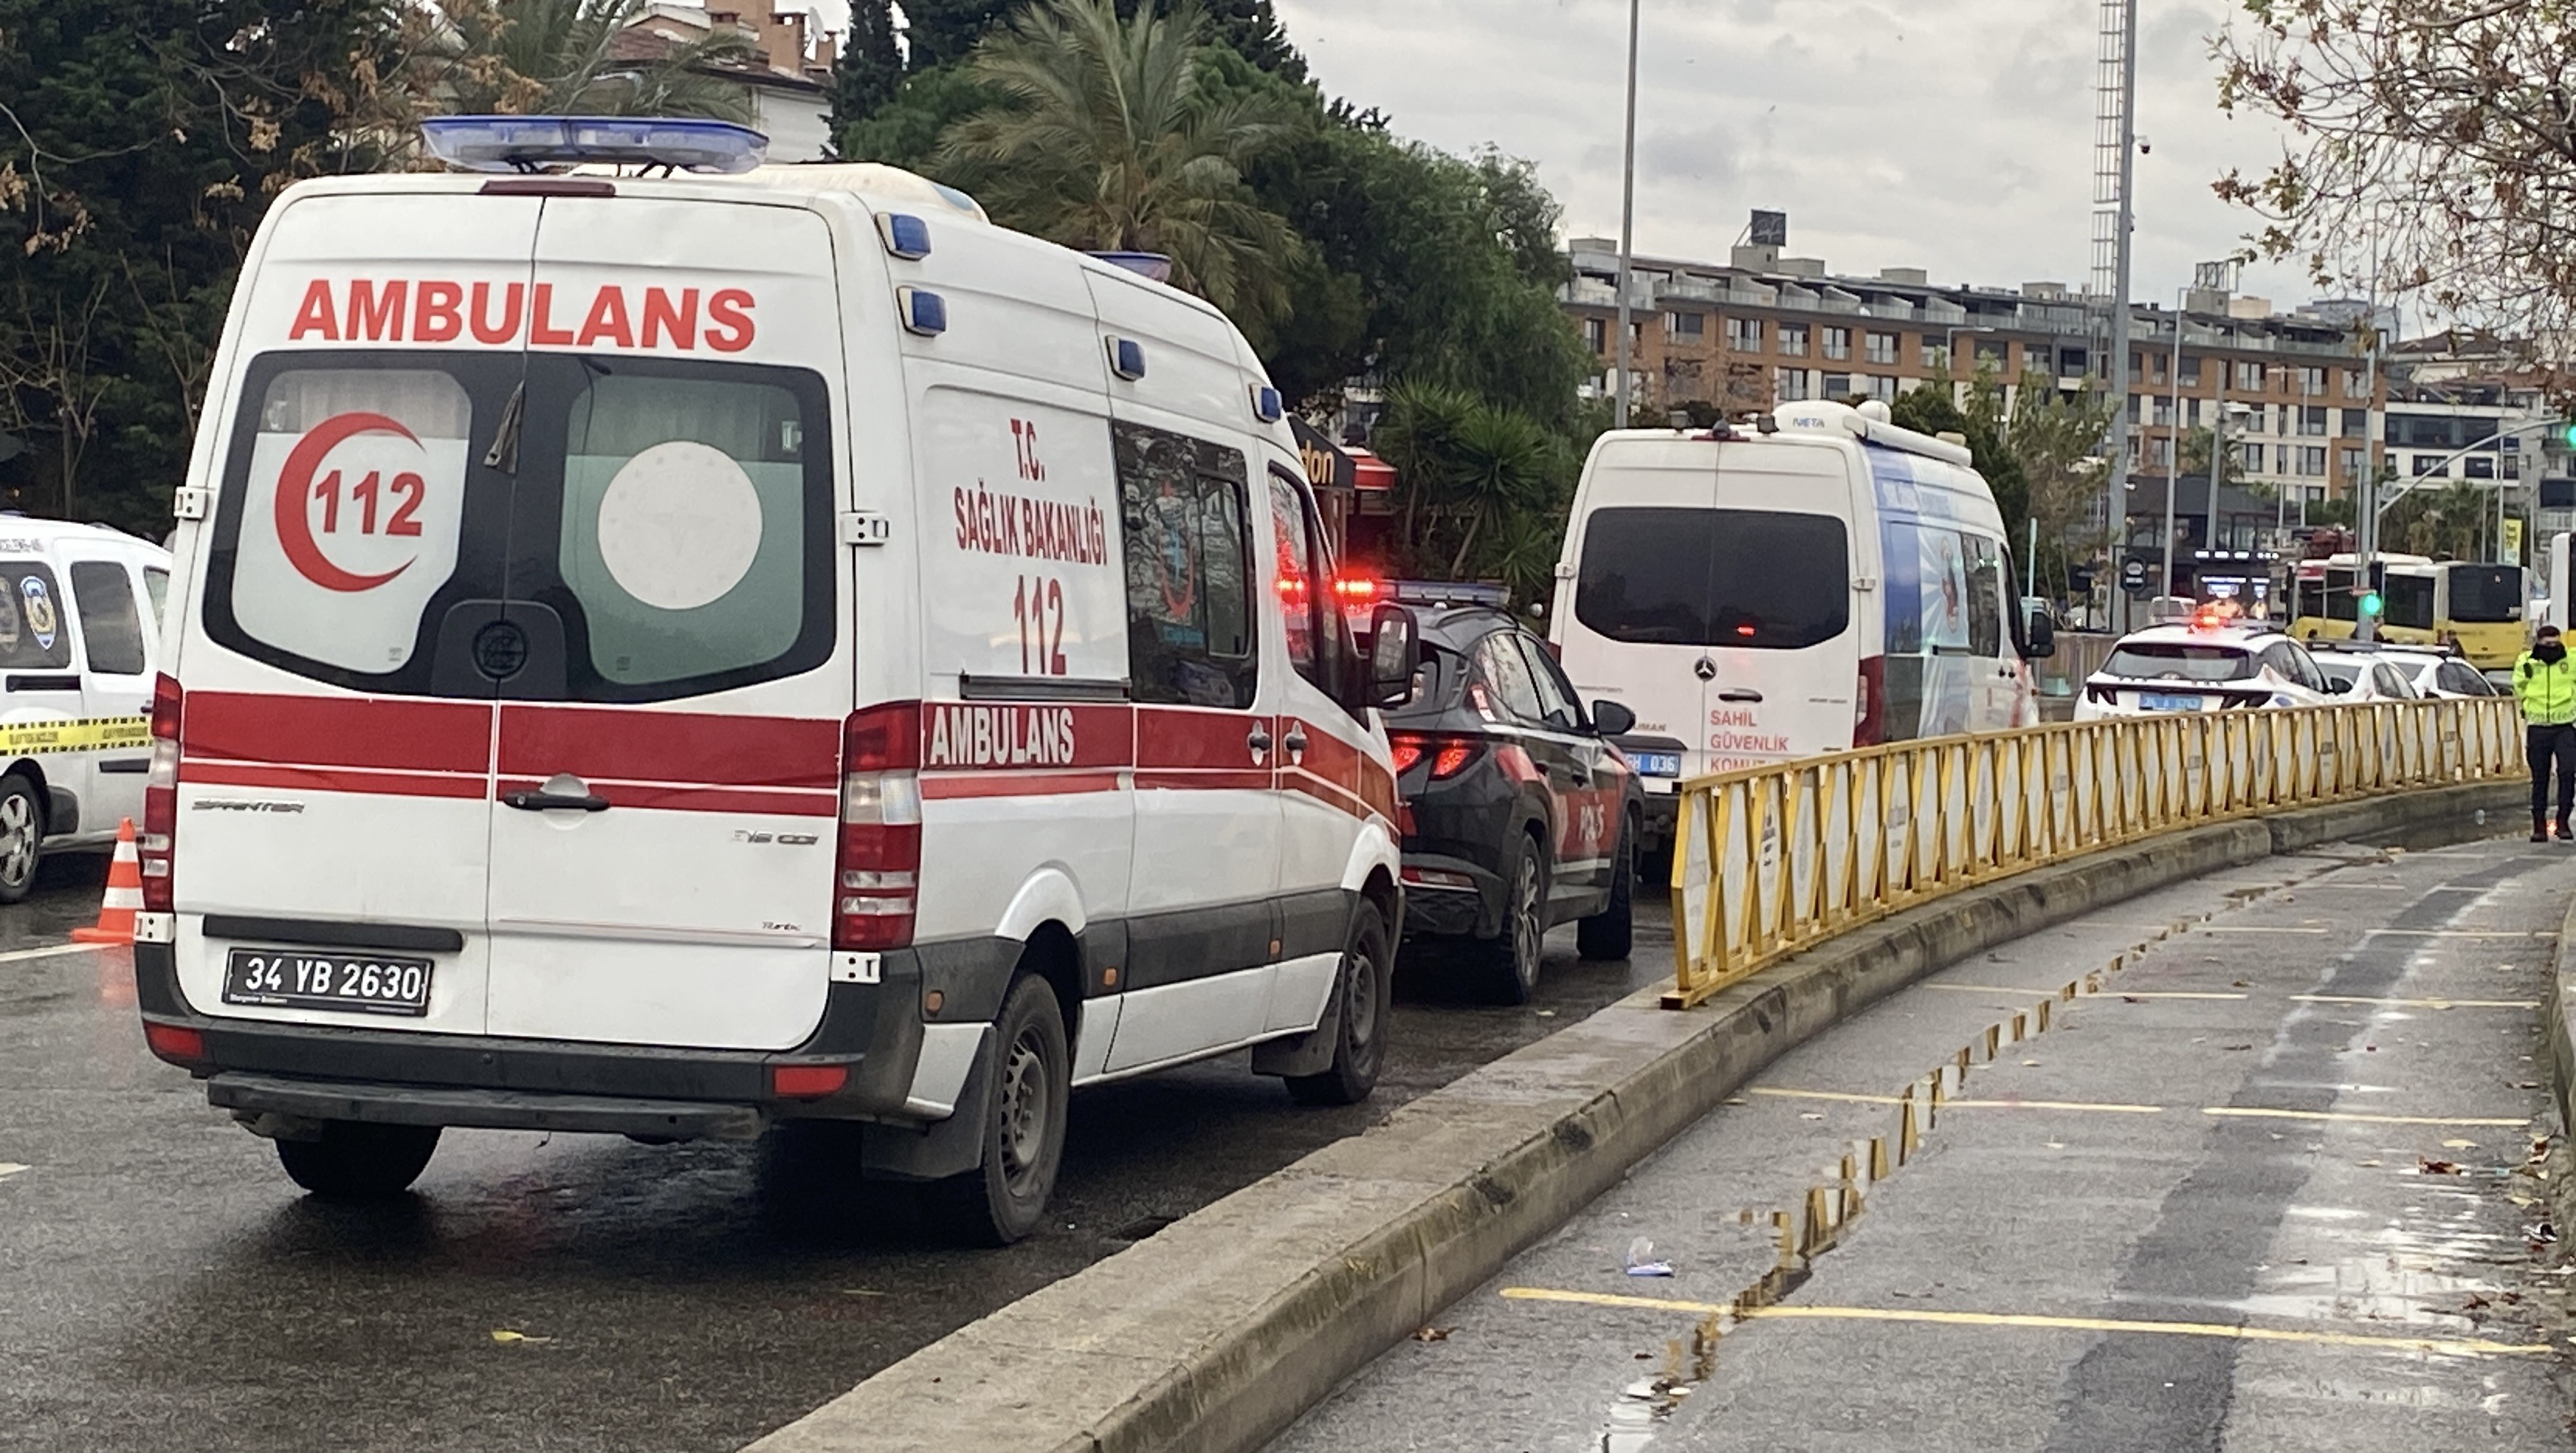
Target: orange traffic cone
124 893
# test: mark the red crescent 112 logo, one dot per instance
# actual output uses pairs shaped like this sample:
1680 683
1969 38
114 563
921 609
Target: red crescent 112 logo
371 506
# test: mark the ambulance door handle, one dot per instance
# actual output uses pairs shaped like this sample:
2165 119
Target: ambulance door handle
545 801
1739 693
1258 743
1296 746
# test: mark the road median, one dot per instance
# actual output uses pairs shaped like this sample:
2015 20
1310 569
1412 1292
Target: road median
1220 1329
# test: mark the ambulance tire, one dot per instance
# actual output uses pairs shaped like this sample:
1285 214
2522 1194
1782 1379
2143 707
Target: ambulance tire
1608 934
21 812
1004 1198
355 1161
1362 1003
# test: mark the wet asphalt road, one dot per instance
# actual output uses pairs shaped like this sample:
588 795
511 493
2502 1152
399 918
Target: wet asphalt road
2267 1192
163 1284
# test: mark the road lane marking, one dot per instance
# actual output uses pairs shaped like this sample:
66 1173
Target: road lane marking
50 950
1959 1104
2052 993
10 1168
2239 1112
2253 928
2255 1112
2446 1346
2418 1003
2455 933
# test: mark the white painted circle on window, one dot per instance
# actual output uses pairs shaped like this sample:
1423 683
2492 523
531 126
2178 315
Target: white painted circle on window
679 526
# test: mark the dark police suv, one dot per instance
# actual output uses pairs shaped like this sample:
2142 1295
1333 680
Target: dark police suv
1522 814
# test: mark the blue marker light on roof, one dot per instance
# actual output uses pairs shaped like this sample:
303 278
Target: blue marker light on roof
1266 405
1126 358
525 143
906 236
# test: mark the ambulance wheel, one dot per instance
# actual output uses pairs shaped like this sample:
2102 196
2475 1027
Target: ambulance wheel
1002 1199
1608 933
1512 956
22 834
354 1161
1365 997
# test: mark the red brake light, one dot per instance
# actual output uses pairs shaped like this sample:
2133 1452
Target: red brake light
176 1043
803 1082
1406 751
160 796
877 878
1869 703
1745 629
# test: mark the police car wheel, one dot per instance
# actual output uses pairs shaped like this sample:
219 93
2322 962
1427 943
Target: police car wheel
1607 934
22 833
1002 1199
1512 956
355 1161
1361 1005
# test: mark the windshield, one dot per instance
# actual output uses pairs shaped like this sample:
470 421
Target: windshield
2178 661
1711 577
2486 593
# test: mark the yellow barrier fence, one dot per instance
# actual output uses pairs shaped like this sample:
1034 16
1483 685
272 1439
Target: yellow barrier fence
1767 861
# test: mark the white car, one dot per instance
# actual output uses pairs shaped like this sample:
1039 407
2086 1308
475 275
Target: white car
2434 675
2204 668
2370 679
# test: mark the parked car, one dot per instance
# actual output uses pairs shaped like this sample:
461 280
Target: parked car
2367 679
2434 673
1522 814
2209 665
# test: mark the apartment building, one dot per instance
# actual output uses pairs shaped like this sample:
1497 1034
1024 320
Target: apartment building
2302 406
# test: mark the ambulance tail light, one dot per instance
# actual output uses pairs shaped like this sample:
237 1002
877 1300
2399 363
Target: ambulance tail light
1869 703
160 797
877 878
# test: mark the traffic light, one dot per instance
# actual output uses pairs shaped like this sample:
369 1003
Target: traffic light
2567 433
2371 602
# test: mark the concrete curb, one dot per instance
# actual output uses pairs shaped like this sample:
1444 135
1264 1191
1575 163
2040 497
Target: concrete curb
1222 1328
2562 1026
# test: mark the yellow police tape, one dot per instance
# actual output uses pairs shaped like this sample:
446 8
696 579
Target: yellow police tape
74 734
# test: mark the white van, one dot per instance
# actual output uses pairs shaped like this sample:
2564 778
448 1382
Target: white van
666 656
80 640
1824 581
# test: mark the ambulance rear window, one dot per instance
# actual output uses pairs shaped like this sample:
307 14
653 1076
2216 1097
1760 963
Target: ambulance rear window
548 526
32 637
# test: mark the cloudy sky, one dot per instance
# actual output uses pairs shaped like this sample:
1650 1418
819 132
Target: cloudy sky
1953 135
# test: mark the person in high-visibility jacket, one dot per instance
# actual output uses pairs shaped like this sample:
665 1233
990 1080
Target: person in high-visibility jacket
2544 680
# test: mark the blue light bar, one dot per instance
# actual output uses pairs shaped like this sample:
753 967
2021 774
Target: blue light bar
1266 403
524 143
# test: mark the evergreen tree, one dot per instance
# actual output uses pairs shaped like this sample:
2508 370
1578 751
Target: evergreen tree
870 71
943 32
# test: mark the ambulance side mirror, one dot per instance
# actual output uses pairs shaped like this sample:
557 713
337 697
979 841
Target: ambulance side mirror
1390 658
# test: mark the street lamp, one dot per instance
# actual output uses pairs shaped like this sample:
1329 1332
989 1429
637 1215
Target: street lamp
1627 222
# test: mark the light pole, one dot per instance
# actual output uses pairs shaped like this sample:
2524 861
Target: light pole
2173 463
1627 221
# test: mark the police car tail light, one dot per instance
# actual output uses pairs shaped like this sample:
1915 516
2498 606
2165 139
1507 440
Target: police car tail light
160 797
877 879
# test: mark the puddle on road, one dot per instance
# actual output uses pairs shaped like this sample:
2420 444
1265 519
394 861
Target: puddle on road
1639 1414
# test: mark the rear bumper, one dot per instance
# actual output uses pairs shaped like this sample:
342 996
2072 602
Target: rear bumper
250 1096
391 1076
1436 909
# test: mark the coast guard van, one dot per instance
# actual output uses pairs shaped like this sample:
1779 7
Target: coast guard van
1821 581
668 656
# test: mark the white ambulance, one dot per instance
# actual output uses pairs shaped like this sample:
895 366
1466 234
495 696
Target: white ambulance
80 640
668 655
1820 580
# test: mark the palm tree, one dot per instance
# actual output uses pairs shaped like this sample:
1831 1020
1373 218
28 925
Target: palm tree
564 57
1114 138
